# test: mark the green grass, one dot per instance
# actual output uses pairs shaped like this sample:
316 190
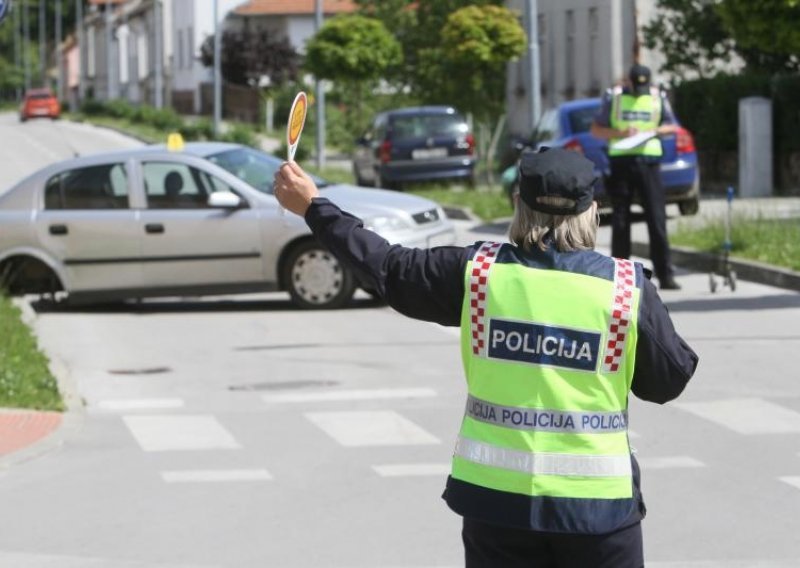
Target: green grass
771 241
144 132
488 204
25 380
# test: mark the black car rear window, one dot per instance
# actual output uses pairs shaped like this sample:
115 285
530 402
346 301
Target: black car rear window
580 120
426 125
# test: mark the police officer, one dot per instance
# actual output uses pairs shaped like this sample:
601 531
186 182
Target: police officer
625 111
553 337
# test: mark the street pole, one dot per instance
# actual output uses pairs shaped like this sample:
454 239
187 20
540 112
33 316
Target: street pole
158 84
217 72
320 88
109 51
17 46
26 44
534 87
42 44
59 74
81 49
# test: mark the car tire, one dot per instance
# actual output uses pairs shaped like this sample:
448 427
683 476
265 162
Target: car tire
689 207
316 279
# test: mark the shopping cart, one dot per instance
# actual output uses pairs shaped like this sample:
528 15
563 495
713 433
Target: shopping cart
724 269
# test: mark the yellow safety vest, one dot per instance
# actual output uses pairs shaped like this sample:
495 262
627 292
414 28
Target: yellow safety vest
548 356
641 112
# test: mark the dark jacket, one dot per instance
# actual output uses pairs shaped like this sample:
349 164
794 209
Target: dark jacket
428 284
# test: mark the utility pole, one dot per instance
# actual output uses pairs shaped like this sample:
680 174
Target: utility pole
320 88
217 72
534 87
26 24
110 94
42 44
158 84
82 49
59 66
17 47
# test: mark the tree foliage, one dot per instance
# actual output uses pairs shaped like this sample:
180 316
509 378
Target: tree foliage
352 48
477 43
691 36
695 36
766 32
418 27
249 55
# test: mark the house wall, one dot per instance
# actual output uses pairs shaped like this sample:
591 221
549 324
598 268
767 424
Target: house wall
585 46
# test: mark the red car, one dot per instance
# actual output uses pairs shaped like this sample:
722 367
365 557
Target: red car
39 103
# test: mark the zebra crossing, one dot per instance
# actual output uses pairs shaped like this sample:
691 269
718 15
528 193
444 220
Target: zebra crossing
154 430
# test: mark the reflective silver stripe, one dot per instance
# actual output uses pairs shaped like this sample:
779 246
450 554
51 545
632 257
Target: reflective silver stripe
544 420
543 463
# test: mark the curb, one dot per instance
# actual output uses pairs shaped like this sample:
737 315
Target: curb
751 271
71 419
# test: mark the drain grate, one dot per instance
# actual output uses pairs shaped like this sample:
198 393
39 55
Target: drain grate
286 385
143 371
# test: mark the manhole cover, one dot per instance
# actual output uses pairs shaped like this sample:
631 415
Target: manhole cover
144 371
287 385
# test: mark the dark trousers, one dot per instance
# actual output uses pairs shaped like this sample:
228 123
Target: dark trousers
629 175
492 546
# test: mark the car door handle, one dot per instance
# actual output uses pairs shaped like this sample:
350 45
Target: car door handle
58 229
153 228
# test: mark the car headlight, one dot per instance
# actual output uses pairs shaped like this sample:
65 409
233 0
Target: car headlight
386 223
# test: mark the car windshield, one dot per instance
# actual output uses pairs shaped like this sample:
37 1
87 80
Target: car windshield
424 125
39 96
254 167
580 120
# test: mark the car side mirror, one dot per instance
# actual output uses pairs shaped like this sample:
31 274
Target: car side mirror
224 200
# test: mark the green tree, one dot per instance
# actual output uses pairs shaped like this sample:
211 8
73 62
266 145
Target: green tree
418 27
697 35
355 52
477 43
691 36
766 32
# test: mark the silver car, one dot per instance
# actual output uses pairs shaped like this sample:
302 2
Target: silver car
203 220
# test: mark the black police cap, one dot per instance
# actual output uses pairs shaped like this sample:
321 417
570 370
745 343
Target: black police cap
639 76
555 172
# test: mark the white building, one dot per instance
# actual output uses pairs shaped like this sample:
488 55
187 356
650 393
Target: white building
585 46
133 62
192 24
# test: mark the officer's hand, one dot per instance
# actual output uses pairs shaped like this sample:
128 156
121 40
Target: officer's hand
631 131
294 189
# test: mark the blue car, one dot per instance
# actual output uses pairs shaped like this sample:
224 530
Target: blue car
568 126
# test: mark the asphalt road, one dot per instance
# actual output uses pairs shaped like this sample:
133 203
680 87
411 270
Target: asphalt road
240 432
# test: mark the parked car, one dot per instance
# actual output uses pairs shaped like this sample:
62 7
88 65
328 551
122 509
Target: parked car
152 222
415 144
39 103
568 126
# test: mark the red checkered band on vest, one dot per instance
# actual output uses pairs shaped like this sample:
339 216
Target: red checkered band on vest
478 281
624 282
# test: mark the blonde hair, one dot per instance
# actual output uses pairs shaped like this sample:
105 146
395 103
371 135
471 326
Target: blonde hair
569 232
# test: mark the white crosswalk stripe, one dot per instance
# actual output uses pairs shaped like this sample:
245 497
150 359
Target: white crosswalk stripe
412 469
371 428
793 481
138 404
164 433
746 415
349 395
215 475
669 462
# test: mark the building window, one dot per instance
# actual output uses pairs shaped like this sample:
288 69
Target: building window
594 32
90 55
180 49
570 53
190 55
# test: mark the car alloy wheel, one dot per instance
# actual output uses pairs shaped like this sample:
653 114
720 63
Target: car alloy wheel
316 279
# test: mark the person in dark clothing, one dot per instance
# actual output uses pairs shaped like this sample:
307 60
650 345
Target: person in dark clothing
626 111
554 337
